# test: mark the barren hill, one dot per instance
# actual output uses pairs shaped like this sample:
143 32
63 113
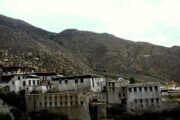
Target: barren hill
79 52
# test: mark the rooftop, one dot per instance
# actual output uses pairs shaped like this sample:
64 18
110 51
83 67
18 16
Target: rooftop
74 77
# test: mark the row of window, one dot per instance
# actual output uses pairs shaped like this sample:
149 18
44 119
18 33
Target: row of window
31 82
56 104
147 101
140 89
76 81
61 97
110 84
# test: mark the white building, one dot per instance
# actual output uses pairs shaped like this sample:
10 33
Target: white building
115 90
143 96
23 82
84 83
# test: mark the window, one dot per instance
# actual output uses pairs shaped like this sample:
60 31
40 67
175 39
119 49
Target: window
123 89
55 98
112 84
24 83
82 80
130 90
45 103
71 103
45 98
60 81
40 104
19 78
55 103
151 88
29 82
50 98
135 89
66 97
141 101
157 100
76 103
81 102
156 88
50 103
140 89
152 100
38 82
60 103
76 80
33 82
135 101
66 81
13 82
145 89
60 97
66 103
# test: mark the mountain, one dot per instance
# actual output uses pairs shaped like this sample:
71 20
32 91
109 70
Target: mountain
25 45
78 52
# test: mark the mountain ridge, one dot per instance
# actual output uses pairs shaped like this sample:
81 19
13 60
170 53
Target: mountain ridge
79 52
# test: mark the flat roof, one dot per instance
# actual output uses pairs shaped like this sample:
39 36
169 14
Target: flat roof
44 73
74 77
144 84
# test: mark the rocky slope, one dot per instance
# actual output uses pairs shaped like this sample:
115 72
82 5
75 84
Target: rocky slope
73 52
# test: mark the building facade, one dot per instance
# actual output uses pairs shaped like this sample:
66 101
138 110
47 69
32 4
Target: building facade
143 96
85 83
74 104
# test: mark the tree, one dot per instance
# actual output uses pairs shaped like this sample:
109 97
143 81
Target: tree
132 80
5 116
47 115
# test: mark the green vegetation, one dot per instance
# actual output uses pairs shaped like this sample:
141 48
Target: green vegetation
47 115
132 80
118 113
16 100
5 116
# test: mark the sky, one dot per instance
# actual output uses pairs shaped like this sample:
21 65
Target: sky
154 21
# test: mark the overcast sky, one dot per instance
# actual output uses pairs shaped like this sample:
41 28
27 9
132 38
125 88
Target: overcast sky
154 21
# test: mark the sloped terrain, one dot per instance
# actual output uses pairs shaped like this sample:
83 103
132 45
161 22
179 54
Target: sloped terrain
79 52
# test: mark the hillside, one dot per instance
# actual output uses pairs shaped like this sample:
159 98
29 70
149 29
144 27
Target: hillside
25 45
78 52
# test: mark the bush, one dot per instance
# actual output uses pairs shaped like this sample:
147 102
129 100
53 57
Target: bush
132 80
16 100
5 116
47 115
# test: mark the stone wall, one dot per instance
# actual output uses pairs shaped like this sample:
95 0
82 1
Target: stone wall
74 105
144 96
